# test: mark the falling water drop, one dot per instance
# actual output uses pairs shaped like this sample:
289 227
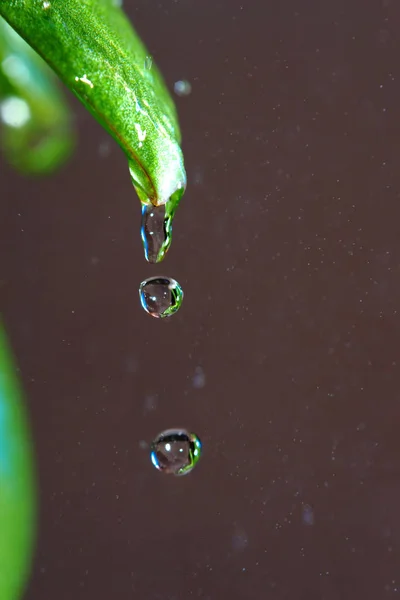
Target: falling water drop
160 296
156 232
175 451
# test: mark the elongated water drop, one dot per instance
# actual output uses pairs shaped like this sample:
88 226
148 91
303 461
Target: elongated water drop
175 451
160 296
156 232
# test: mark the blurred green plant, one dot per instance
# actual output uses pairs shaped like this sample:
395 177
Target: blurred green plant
17 481
36 125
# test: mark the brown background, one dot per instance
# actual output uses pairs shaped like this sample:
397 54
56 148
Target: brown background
287 245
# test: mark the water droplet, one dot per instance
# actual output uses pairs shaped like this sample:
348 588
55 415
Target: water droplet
175 451
308 515
199 378
160 296
148 61
46 5
104 149
240 539
156 232
182 88
150 403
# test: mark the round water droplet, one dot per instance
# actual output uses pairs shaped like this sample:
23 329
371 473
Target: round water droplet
160 296
182 88
148 62
175 451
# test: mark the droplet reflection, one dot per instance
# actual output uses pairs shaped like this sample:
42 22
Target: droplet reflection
175 451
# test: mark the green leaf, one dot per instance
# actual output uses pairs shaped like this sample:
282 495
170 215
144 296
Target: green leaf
92 46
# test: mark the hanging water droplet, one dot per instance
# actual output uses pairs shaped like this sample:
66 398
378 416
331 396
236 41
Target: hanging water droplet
160 296
156 232
148 61
175 451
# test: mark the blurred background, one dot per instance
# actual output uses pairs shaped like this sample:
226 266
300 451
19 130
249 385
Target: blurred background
284 357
